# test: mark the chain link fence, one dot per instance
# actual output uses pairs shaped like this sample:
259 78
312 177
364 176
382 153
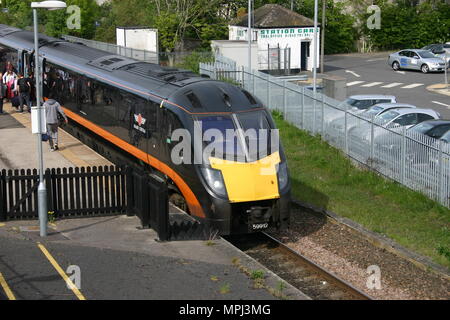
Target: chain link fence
416 161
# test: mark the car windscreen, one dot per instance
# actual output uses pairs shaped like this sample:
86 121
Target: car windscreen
446 137
422 127
387 116
425 54
373 111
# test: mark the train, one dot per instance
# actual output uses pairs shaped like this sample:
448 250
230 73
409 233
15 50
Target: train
157 117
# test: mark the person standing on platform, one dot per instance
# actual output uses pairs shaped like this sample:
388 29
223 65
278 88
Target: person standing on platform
52 110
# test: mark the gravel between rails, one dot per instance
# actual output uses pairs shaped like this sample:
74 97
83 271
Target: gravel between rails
347 255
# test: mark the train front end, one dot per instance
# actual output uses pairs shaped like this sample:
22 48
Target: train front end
243 175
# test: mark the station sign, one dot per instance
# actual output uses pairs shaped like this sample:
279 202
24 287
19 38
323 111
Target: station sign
287 33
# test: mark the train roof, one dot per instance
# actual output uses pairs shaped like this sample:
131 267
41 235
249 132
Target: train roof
184 89
147 77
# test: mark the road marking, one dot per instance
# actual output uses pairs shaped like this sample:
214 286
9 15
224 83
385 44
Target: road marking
377 59
372 84
61 272
442 104
353 73
402 72
354 83
6 288
391 85
414 85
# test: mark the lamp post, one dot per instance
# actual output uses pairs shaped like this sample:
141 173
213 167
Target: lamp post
316 48
249 35
42 190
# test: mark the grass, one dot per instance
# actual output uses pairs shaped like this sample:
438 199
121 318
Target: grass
324 176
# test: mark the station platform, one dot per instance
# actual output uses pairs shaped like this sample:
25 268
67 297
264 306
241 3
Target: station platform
114 256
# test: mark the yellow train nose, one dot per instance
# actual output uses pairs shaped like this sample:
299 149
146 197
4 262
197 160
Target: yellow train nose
250 181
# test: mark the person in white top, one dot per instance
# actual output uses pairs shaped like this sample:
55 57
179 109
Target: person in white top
9 79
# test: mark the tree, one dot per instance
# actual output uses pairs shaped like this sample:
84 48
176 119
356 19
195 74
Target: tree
59 22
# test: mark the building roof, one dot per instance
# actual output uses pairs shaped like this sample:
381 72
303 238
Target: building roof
274 16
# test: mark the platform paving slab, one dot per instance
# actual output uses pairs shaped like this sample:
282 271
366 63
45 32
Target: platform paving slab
120 260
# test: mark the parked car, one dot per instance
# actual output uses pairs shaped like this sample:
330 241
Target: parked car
432 128
358 103
394 119
425 138
386 132
415 59
384 107
440 50
365 116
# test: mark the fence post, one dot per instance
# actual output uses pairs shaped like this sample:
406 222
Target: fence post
314 113
254 81
284 99
441 196
243 77
268 92
323 114
403 156
372 143
303 107
345 130
129 188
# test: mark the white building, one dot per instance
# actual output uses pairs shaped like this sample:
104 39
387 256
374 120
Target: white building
275 29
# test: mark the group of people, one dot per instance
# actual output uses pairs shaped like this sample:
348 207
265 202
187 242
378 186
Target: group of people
20 91
16 88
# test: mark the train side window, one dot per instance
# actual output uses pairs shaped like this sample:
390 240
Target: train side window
8 54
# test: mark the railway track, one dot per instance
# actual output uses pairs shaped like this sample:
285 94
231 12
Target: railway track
299 271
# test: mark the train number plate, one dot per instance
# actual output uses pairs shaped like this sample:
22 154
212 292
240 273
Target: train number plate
260 226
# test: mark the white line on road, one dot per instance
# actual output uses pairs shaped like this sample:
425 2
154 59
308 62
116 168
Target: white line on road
377 59
391 85
402 72
354 83
414 85
353 73
442 104
372 84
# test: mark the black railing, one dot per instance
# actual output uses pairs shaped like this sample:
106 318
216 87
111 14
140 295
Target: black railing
87 192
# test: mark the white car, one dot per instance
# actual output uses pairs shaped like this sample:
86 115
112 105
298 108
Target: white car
380 108
393 119
359 103
367 115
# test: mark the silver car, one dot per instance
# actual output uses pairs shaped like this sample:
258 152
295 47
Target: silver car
416 59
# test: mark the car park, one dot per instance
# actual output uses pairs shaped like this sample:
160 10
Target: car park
415 59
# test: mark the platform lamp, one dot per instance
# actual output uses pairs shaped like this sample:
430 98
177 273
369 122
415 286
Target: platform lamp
42 190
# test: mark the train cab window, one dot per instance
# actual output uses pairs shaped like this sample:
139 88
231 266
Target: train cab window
257 133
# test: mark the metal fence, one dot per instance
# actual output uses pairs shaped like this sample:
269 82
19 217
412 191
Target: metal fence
143 55
414 160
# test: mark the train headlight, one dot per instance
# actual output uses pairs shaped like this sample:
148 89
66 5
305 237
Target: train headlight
214 180
283 176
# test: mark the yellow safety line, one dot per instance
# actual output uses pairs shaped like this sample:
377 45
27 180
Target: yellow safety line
55 264
6 288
